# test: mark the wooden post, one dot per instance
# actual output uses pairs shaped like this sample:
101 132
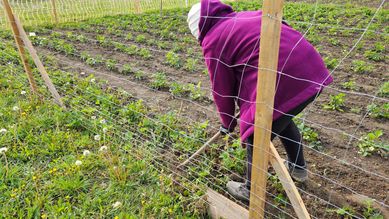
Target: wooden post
20 46
288 184
137 6
54 11
267 74
38 63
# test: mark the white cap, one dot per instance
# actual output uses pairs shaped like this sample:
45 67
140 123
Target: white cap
194 19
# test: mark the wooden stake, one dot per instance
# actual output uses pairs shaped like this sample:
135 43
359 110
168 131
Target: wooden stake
137 7
54 11
200 150
288 184
267 74
20 46
222 207
38 63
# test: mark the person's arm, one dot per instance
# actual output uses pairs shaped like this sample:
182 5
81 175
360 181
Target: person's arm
224 92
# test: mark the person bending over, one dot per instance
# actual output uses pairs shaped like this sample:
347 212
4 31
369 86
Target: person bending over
230 45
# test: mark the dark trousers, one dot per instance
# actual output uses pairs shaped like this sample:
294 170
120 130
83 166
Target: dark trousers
290 136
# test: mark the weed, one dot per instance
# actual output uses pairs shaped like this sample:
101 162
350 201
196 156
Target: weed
336 102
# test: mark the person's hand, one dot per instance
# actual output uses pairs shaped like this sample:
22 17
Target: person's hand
224 131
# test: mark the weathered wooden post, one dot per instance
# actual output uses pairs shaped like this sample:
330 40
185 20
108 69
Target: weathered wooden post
54 11
20 46
267 75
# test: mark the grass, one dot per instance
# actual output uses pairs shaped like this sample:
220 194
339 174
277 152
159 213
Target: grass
76 163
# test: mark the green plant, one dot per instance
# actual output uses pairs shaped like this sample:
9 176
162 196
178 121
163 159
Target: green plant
139 75
370 212
369 144
127 69
360 66
110 64
178 89
379 111
140 38
384 90
349 85
159 81
309 134
196 92
331 63
336 102
95 61
375 56
233 157
347 212
145 53
172 59
129 36
190 64
103 41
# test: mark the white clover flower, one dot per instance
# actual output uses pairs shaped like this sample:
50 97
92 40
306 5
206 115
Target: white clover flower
97 137
32 34
93 117
2 131
3 150
105 130
86 152
23 92
15 108
103 148
103 121
78 162
93 80
117 204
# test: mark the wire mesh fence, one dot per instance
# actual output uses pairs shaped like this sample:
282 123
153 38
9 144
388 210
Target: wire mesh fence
44 12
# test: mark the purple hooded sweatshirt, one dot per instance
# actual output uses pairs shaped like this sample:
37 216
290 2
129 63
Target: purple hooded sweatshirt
230 43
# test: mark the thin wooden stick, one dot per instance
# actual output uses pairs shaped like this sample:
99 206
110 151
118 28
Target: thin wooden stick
200 150
268 61
54 11
38 63
20 46
290 188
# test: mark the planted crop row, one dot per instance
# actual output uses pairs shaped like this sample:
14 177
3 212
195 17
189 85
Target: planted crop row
157 81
